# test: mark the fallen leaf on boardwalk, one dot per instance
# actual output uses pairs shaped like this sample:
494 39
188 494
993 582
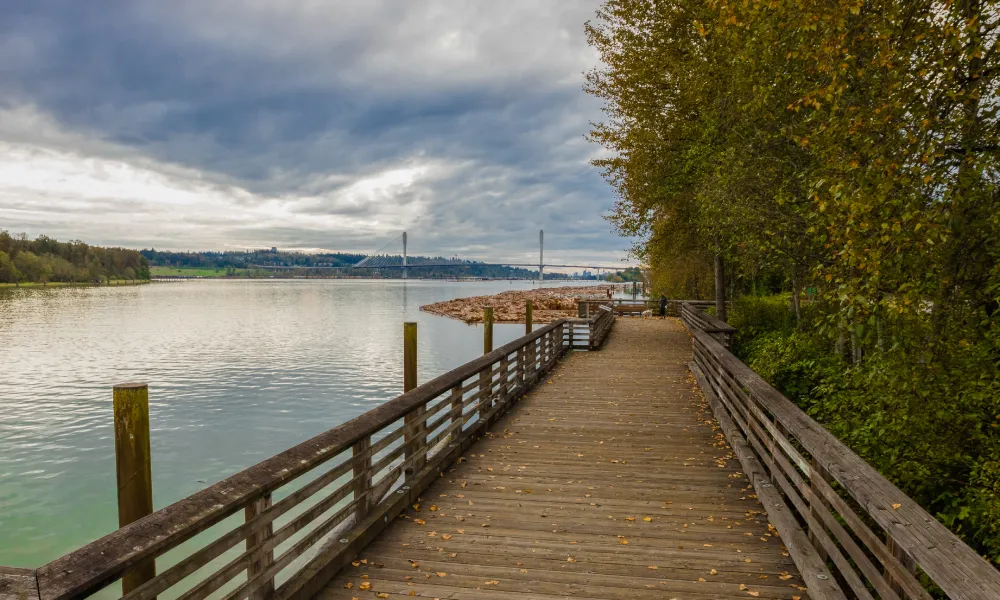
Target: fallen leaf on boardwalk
453 554
743 586
754 594
432 534
653 567
433 507
419 521
706 545
524 570
460 530
701 579
442 574
382 595
348 585
460 495
713 572
492 582
412 593
446 537
630 518
365 585
355 564
570 559
784 576
414 564
647 519
623 541
896 506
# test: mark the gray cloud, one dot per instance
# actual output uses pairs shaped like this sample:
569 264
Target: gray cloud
215 123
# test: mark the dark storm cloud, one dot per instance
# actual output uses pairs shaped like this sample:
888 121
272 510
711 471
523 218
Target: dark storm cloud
460 121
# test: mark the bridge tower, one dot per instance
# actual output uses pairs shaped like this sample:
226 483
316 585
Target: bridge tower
541 255
404 255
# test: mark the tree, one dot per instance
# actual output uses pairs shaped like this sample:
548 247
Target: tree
130 273
8 272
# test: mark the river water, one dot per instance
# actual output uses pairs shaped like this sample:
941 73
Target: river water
238 371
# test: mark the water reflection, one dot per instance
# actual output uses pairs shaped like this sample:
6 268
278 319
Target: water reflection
238 371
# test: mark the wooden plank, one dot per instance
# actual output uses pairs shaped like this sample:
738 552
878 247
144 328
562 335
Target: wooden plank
605 441
951 564
17 584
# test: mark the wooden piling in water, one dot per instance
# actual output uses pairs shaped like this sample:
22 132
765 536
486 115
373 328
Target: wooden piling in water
528 306
416 421
487 330
132 464
409 356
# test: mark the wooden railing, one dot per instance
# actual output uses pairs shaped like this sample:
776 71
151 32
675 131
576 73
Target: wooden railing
697 317
590 333
851 532
282 528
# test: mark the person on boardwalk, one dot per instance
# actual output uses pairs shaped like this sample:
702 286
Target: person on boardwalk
663 306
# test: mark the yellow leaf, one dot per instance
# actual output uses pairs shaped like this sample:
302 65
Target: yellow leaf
349 585
623 541
382 595
647 519
441 574
713 572
365 585
446 536
492 582
896 506
653 567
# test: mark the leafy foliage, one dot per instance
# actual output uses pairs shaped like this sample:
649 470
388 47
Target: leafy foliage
44 259
849 148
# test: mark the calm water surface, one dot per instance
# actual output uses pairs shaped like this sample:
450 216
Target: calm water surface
238 371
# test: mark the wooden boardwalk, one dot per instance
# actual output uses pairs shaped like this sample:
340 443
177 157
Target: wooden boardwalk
609 480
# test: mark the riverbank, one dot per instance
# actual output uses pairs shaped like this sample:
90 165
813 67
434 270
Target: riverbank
52 284
549 304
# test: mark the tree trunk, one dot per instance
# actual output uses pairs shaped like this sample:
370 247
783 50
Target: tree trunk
796 306
720 287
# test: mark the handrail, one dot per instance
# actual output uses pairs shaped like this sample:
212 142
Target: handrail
382 460
873 537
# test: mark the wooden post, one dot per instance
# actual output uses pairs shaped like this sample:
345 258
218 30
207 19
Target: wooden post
456 411
409 356
415 421
487 330
132 462
528 306
363 478
262 559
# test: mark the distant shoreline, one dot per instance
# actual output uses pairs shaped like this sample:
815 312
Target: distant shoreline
60 284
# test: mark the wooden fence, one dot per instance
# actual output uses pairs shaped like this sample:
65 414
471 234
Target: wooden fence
851 532
282 528
590 333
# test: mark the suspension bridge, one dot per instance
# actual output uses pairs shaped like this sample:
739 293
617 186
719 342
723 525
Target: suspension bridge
393 255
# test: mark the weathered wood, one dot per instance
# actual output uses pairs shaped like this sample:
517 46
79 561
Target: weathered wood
560 524
362 477
133 468
261 560
487 330
17 584
101 562
917 539
409 356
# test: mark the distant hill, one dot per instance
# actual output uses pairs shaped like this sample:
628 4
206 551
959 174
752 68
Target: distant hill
44 260
245 262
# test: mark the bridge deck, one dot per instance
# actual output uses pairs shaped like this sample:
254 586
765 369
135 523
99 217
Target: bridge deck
611 480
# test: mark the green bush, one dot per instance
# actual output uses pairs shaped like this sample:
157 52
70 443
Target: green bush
926 416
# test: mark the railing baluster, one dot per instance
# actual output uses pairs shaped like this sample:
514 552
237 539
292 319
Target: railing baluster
262 559
456 410
415 439
363 478
904 559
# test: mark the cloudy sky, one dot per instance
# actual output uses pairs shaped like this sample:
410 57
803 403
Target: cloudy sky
306 124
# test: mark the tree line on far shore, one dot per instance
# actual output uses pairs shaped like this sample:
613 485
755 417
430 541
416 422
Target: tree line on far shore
44 260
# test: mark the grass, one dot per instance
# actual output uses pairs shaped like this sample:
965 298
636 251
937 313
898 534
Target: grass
186 272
